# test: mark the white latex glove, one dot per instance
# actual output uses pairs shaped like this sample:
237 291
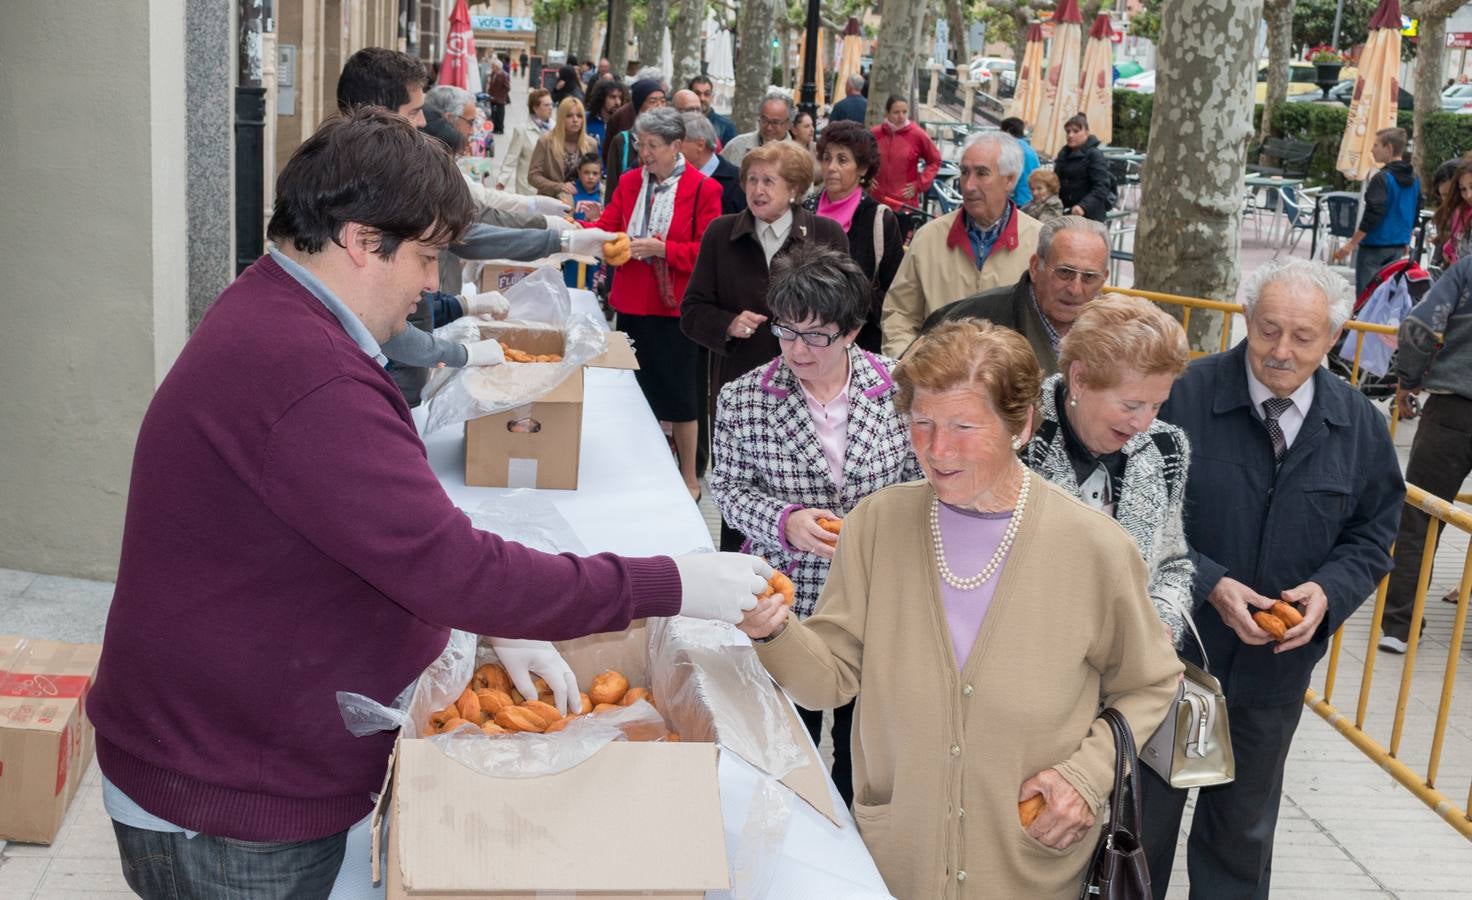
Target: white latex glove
523 659
484 353
720 585
546 206
557 223
589 241
491 303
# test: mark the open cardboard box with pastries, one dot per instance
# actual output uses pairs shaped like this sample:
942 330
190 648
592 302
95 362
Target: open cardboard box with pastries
535 445
633 818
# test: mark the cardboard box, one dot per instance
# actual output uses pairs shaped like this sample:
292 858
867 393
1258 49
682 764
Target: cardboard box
500 274
633 820
45 738
536 445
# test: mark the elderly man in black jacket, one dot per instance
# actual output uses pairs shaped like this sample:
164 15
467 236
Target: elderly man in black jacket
1067 271
1294 493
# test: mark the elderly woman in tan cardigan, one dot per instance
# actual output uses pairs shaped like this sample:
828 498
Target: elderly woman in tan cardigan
981 617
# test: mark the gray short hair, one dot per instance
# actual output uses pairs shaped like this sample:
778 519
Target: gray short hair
1069 223
1303 273
856 81
1009 152
653 74
664 123
778 94
448 100
698 128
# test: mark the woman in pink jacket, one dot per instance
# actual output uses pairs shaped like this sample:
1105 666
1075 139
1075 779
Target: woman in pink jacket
903 145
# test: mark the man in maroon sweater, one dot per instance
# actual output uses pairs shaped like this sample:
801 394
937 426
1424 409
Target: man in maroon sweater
285 540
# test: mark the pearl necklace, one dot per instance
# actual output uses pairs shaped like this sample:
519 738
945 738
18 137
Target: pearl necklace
977 580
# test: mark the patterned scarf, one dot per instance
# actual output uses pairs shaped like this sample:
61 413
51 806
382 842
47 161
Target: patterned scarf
654 208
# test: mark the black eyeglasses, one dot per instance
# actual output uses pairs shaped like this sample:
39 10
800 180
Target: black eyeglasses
811 338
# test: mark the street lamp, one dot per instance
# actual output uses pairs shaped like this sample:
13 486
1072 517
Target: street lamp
808 98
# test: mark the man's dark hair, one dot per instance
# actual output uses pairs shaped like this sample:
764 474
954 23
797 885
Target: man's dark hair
811 281
1013 126
698 79
860 143
572 59
373 168
375 76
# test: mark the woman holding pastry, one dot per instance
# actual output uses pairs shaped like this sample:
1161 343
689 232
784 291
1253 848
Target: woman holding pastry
664 206
980 661
1099 439
800 441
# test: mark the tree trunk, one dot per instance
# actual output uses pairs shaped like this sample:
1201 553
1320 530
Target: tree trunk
1279 17
685 43
755 23
894 58
1430 63
618 38
956 21
1191 188
651 37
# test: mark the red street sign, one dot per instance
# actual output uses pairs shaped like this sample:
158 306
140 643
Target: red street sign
1459 40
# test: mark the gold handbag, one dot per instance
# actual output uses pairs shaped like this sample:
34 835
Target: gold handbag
1193 746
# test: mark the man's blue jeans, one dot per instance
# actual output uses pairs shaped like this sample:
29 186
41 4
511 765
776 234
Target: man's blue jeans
162 865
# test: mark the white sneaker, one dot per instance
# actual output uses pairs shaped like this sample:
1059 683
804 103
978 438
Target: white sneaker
1392 644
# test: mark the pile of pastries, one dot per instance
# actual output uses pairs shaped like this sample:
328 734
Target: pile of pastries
493 704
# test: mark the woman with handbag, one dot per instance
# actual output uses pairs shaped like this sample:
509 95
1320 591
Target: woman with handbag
980 662
664 206
1098 437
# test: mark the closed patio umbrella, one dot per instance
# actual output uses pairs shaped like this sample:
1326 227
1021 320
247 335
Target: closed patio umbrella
1097 83
1376 90
1061 97
1028 96
850 54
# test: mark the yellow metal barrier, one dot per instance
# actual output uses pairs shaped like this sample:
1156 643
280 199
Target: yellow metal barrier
1228 310
1442 514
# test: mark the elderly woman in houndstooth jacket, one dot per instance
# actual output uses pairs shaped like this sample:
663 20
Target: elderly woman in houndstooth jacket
1098 437
808 435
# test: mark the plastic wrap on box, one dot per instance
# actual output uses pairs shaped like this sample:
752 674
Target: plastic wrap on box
707 672
530 518
540 301
436 688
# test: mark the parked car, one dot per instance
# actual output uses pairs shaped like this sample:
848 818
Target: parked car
995 75
1301 78
1140 82
1454 98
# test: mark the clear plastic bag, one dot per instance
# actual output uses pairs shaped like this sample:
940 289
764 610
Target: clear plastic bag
539 301
436 688
530 518
712 686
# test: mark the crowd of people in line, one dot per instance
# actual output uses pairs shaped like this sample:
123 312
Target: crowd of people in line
1041 494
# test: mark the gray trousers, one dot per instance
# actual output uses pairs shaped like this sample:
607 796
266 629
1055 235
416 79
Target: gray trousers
1369 260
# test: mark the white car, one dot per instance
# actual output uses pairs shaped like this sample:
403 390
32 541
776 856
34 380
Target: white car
1456 98
991 71
1140 83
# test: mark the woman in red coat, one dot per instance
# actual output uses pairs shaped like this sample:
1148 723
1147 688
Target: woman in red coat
903 145
665 206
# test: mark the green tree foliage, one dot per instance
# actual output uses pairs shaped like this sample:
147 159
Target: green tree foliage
1313 22
1146 24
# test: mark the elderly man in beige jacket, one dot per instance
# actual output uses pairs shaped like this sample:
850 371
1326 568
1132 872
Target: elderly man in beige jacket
985 244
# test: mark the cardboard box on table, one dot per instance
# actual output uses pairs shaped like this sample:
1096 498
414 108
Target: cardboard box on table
632 820
501 274
536 445
46 739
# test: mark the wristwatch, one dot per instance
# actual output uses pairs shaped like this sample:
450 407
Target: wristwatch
564 241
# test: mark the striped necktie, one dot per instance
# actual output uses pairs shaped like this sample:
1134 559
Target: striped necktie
1272 408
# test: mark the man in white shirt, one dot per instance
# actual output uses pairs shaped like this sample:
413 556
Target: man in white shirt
774 123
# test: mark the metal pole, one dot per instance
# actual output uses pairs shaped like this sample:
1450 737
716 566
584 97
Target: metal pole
808 101
1338 18
250 127
607 33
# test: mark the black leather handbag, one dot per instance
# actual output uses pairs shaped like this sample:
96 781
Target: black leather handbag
1118 870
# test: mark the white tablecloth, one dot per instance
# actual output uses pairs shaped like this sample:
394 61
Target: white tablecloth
631 500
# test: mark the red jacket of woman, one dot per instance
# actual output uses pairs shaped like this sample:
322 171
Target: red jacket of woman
697 204
900 153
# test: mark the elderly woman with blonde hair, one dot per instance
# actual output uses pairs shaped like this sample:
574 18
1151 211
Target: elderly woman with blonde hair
980 654
1099 438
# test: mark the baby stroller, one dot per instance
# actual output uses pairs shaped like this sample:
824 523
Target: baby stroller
1385 301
